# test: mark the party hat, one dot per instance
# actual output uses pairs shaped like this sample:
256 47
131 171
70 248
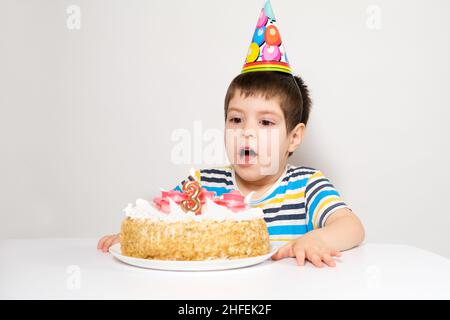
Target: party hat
266 52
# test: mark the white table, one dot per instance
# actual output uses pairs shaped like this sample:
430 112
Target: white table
75 269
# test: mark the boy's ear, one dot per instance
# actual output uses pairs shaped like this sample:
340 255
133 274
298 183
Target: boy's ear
296 137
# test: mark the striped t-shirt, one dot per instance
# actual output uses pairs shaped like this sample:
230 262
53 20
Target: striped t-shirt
300 201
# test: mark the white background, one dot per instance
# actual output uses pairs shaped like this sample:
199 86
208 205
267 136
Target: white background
87 115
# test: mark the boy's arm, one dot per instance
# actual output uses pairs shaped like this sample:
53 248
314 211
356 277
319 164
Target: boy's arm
343 230
334 227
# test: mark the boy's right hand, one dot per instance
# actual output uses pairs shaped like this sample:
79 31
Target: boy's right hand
107 241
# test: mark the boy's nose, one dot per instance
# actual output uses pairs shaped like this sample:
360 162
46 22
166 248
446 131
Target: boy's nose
250 133
249 128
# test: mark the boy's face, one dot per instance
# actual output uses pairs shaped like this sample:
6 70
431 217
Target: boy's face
256 138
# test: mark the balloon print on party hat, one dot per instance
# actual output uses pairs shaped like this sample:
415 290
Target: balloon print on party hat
266 52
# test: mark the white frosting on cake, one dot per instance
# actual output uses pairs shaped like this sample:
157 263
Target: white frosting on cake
210 211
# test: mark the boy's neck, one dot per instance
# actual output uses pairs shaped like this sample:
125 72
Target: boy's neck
260 186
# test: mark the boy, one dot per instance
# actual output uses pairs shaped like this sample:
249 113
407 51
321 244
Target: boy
266 111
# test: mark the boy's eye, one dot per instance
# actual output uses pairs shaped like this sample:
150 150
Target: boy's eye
267 122
235 120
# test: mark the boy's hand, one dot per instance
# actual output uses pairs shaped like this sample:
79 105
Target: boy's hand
309 247
107 241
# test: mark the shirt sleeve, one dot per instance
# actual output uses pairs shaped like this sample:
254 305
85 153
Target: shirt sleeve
179 186
322 200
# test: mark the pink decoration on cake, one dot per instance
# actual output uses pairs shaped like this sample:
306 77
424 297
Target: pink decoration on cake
233 200
176 196
161 204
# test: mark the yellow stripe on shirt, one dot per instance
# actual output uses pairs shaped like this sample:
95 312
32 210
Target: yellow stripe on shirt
282 199
323 204
197 174
318 174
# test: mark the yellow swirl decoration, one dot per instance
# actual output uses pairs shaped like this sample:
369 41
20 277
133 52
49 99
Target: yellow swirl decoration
192 190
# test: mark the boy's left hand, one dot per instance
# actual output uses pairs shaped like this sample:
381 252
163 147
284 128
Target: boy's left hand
308 247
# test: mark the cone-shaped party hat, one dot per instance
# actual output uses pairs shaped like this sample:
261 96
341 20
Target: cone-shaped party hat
266 52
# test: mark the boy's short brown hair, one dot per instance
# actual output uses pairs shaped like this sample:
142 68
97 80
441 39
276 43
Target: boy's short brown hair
273 84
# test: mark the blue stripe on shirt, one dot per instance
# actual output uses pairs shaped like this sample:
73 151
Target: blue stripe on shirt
285 230
218 190
322 194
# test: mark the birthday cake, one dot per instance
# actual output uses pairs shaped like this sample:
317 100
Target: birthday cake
194 224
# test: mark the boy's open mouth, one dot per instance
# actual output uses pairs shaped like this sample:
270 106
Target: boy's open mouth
247 155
